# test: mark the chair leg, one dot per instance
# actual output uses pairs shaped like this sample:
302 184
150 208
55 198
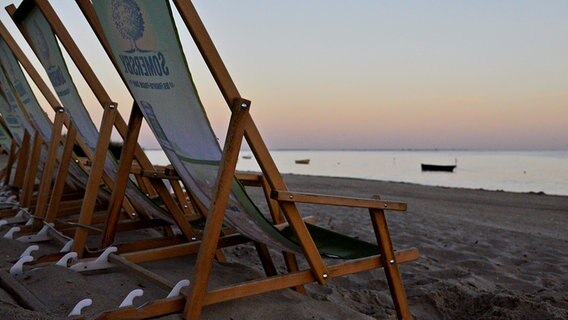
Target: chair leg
391 267
292 266
265 259
220 256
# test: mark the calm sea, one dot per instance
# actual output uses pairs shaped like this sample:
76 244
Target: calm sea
518 171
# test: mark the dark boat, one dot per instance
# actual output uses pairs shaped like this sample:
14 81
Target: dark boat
438 167
303 161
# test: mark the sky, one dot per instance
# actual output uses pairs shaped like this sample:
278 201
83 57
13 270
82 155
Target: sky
489 75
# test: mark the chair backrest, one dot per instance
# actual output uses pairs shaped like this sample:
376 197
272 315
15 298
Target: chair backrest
24 108
146 47
15 77
13 120
5 138
43 41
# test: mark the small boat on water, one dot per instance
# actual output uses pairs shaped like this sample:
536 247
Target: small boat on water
438 167
303 161
247 157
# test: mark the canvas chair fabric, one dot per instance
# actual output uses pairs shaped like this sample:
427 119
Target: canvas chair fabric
15 76
14 122
44 43
146 45
5 138
21 99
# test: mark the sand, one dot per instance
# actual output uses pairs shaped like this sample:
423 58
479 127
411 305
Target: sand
484 255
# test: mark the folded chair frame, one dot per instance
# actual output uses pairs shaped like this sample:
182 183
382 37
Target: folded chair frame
242 126
111 119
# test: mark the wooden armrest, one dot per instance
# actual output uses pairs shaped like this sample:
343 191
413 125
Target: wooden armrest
249 179
287 196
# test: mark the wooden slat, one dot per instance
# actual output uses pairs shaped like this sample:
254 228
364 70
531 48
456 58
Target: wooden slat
92 190
249 179
175 211
31 171
182 200
288 196
10 162
22 164
157 173
160 281
216 216
303 277
265 259
174 305
62 173
49 167
146 244
389 263
179 250
20 293
150 310
121 182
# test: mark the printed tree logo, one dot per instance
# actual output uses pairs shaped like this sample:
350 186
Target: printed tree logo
128 20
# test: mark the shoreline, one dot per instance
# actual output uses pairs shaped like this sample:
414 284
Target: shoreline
483 255
538 193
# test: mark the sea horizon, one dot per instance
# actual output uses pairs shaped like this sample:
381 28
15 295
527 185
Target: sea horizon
523 171
395 149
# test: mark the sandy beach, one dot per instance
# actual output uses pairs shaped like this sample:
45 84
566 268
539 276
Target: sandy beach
483 255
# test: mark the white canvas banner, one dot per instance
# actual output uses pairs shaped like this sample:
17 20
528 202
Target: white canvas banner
145 44
45 45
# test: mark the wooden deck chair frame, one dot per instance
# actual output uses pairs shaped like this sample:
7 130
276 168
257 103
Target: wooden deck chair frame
48 203
242 126
26 171
131 151
54 207
53 141
19 153
17 182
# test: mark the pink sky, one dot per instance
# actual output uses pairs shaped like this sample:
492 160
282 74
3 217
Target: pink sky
374 75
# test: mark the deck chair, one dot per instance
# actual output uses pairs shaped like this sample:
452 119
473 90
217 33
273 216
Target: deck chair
24 111
142 39
37 126
8 145
7 148
41 35
52 208
70 173
17 158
